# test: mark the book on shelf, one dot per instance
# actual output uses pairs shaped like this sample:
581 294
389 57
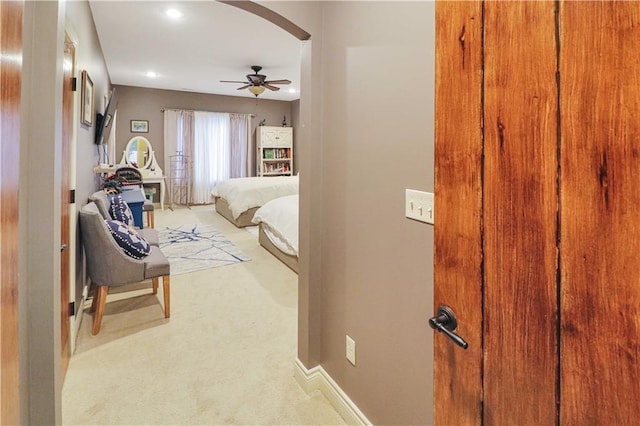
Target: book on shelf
276 154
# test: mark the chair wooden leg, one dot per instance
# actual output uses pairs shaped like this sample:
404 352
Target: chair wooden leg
155 285
167 298
94 303
100 300
151 220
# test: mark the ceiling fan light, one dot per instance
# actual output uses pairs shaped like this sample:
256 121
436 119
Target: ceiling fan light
256 90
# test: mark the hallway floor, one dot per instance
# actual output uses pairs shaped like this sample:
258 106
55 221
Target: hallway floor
225 357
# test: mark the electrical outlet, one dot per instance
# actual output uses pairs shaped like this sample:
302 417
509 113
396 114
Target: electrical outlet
351 350
420 205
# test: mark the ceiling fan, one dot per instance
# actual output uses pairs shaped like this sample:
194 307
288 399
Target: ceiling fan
256 83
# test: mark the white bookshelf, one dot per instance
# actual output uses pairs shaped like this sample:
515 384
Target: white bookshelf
274 151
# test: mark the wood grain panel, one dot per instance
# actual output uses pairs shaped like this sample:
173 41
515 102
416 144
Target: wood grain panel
520 213
600 261
10 87
458 256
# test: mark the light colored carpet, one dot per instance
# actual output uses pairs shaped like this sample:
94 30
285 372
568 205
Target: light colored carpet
225 357
253 230
191 248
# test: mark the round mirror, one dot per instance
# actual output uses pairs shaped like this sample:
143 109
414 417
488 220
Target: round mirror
138 152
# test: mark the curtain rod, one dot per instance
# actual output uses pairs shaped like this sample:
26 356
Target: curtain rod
199 110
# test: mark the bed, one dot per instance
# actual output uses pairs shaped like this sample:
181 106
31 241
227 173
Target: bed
238 199
278 229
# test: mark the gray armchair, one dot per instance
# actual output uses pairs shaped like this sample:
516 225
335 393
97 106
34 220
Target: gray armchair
109 266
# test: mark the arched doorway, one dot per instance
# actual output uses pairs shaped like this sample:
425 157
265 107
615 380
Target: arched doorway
310 178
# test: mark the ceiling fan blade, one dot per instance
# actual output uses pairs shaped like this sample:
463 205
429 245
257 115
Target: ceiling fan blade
278 82
257 80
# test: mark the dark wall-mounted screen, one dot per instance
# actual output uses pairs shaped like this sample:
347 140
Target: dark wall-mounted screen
104 123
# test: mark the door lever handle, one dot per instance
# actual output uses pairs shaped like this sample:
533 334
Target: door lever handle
445 322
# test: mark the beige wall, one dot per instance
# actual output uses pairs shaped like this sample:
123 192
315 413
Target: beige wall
39 261
375 131
79 24
378 140
295 123
88 57
138 103
40 171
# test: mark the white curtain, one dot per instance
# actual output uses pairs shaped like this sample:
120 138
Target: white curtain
211 153
241 161
218 145
178 134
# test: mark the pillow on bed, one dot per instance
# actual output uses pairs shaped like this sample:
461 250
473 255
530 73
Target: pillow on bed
119 210
131 243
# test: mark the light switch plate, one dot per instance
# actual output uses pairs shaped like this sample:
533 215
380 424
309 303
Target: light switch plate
351 350
420 205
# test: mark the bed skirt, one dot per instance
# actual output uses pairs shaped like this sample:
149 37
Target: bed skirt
287 259
222 207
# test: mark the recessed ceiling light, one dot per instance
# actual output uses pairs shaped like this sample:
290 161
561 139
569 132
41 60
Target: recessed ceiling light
292 90
151 74
173 13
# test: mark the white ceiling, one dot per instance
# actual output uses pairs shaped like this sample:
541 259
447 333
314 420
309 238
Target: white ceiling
212 41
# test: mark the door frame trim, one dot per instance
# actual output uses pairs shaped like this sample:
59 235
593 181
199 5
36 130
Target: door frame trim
73 211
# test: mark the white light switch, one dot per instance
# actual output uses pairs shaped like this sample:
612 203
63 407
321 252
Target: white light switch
420 205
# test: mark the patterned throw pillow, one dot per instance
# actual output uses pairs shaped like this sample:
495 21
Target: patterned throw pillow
131 243
119 210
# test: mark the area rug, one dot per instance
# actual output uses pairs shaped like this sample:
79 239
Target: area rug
191 248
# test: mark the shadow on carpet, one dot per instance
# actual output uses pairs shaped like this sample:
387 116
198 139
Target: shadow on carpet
191 248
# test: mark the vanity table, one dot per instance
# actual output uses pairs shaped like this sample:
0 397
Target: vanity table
139 154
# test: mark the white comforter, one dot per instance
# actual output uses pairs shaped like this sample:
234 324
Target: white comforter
279 218
244 193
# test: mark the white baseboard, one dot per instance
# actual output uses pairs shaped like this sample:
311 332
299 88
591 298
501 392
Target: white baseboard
75 327
318 379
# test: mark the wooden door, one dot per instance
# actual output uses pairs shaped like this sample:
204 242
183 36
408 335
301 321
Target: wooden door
537 172
600 196
65 206
458 240
10 95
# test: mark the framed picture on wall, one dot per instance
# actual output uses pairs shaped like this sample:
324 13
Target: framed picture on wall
139 126
86 114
